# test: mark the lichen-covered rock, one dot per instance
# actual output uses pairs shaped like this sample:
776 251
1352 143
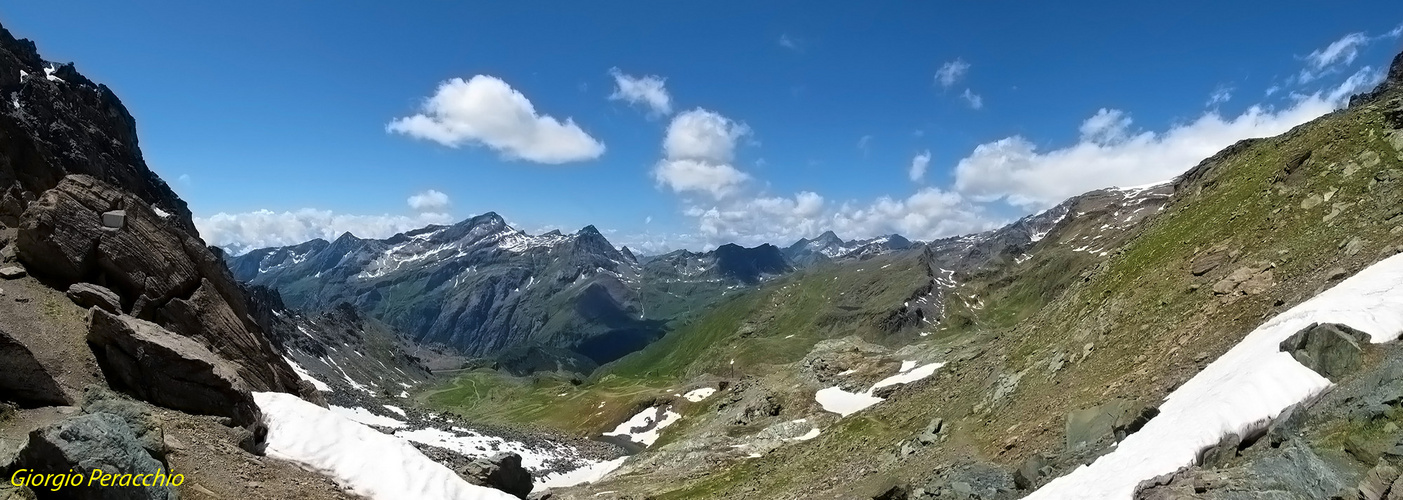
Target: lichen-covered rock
92 441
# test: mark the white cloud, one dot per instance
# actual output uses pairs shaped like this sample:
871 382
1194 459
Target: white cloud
1344 51
485 110
184 179
1340 53
697 154
1110 154
918 166
973 99
951 72
429 201
703 135
929 213
650 91
717 179
863 142
1220 95
265 228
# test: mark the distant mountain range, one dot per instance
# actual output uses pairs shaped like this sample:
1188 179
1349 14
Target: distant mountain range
480 287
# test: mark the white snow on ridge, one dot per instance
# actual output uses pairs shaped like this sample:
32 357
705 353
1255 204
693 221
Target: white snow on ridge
1242 391
306 375
474 444
368 462
699 394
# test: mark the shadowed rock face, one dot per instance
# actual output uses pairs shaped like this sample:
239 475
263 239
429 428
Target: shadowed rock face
25 380
54 127
167 369
160 272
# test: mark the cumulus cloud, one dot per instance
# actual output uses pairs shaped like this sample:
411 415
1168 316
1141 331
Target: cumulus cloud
484 110
649 91
951 72
697 154
928 214
918 166
972 99
242 232
429 201
1109 153
716 179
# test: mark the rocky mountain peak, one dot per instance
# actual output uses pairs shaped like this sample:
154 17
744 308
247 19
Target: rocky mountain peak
56 123
828 238
1393 81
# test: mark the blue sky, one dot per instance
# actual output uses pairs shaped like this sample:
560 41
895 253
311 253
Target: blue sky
281 121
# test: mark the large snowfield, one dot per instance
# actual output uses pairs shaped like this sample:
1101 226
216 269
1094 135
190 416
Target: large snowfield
1242 391
366 461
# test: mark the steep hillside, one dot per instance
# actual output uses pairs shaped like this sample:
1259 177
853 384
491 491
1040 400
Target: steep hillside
1070 344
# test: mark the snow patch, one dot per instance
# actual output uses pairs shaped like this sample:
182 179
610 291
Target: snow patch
396 409
306 375
699 394
835 399
368 462
582 475
644 427
364 416
1242 391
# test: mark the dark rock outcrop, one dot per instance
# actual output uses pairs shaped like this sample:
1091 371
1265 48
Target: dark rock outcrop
1332 350
502 471
94 441
25 380
56 122
170 370
160 272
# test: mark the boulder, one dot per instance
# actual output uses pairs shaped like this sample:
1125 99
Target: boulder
1332 350
1087 428
25 379
153 364
932 432
144 425
88 295
502 471
12 272
94 441
1377 481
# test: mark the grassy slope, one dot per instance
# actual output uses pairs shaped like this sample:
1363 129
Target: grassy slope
788 315
1152 323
